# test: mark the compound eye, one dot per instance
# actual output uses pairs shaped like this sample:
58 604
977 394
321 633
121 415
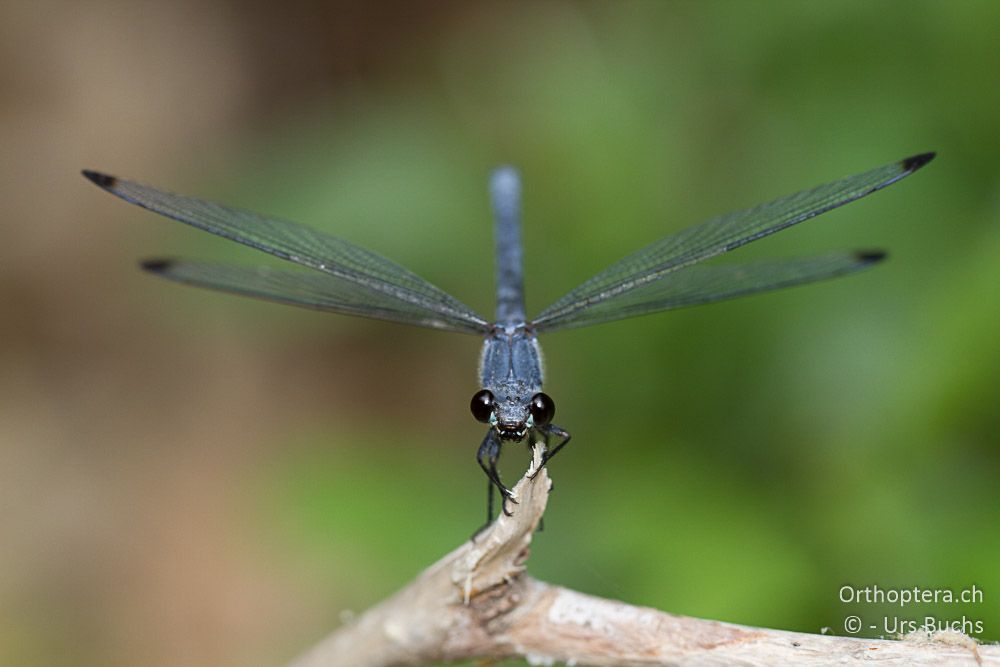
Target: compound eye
482 405
542 409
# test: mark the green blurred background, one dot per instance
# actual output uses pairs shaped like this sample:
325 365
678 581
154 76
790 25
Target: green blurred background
188 478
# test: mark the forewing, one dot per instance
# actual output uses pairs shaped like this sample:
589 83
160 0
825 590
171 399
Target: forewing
319 291
699 284
719 235
345 261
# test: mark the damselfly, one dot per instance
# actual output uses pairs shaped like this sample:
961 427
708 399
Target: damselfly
666 274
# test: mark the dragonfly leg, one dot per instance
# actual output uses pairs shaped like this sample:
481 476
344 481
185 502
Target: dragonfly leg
547 431
488 454
489 501
489 510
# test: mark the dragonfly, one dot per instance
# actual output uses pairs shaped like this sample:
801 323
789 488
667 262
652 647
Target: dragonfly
666 274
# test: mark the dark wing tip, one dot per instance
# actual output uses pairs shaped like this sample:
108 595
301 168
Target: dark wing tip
157 265
870 256
915 162
99 179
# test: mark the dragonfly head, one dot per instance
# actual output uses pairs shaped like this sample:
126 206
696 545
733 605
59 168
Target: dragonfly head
512 416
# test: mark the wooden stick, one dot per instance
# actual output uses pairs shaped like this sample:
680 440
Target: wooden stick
477 602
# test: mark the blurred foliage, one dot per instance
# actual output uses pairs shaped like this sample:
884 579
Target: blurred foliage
740 461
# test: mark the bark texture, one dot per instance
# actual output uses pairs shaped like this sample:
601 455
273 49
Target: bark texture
477 602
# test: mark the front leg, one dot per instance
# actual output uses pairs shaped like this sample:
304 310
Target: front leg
488 454
547 431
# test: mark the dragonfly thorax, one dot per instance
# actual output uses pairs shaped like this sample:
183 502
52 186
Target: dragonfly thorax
511 378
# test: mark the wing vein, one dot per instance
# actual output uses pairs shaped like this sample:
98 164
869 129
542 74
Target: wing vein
714 237
301 245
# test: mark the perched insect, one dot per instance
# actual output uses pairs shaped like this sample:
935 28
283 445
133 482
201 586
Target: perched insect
666 274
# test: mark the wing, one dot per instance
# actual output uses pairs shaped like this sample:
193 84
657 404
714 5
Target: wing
695 285
714 237
349 268
298 288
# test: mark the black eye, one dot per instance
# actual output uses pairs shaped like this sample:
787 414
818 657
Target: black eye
542 409
482 405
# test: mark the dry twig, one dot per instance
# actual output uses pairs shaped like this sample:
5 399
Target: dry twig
477 602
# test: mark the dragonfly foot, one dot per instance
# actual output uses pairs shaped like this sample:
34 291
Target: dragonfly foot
508 495
534 473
